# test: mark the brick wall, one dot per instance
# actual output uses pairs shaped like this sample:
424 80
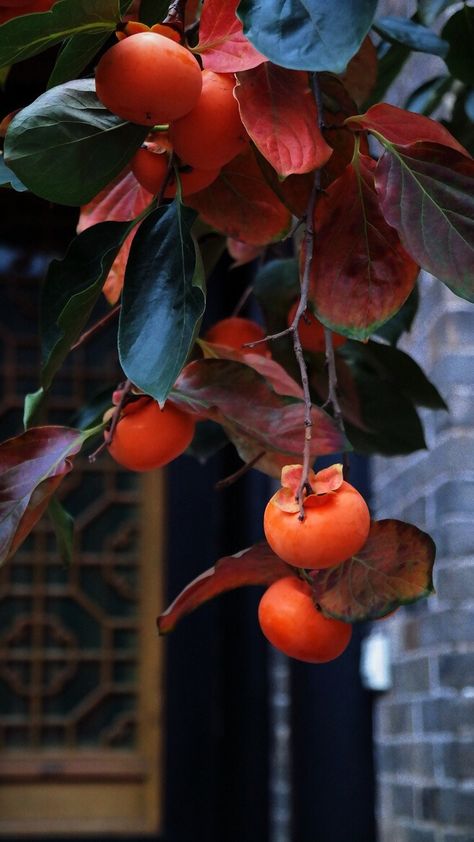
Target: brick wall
424 727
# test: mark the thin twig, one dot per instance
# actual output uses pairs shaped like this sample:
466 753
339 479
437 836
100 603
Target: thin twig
224 483
88 334
333 397
175 16
109 434
242 300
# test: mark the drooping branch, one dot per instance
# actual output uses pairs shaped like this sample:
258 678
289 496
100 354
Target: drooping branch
109 434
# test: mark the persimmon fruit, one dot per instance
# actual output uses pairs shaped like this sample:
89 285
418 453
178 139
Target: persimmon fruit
212 133
148 79
148 437
235 332
336 525
150 168
311 331
291 622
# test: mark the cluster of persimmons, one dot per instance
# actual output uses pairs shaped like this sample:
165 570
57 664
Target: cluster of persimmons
148 78
195 127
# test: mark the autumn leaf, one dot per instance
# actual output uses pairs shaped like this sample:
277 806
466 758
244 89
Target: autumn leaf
278 110
257 565
361 274
32 466
223 46
242 205
394 567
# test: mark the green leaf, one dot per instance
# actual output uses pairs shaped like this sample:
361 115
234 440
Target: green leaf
426 98
32 407
410 34
404 373
8 177
71 289
28 35
307 34
66 146
402 321
76 53
426 192
276 286
459 33
163 300
63 524
428 10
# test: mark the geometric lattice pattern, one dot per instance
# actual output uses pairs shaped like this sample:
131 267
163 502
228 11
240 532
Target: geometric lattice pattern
68 637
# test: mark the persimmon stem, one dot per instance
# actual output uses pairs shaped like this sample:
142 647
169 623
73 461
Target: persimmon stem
175 16
227 481
109 434
88 334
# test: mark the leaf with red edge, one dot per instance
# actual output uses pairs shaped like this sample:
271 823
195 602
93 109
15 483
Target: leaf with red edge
241 204
361 274
223 46
360 75
32 466
394 567
122 200
426 191
387 122
235 396
257 565
278 110
294 191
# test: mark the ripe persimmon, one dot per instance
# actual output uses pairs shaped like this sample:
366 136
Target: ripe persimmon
148 437
311 331
150 168
290 620
212 133
235 331
148 79
336 524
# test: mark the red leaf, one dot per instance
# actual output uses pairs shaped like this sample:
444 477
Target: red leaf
272 371
393 568
294 191
403 127
361 275
122 199
257 419
32 465
222 44
241 204
242 253
361 73
426 192
278 110
256 566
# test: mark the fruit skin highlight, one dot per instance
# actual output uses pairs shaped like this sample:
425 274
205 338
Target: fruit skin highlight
336 525
311 331
148 79
147 437
212 133
291 622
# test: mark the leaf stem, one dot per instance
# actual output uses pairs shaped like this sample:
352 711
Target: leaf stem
109 434
227 481
88 334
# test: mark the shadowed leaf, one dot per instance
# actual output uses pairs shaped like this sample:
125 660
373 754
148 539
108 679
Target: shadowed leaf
410 34
256 566
241 204
403 128
32 466
361 72
393 568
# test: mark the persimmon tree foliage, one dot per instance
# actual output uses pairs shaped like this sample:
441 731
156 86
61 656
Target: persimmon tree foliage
181 130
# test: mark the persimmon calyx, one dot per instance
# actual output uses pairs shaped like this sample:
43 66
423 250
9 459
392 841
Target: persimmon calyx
322 483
